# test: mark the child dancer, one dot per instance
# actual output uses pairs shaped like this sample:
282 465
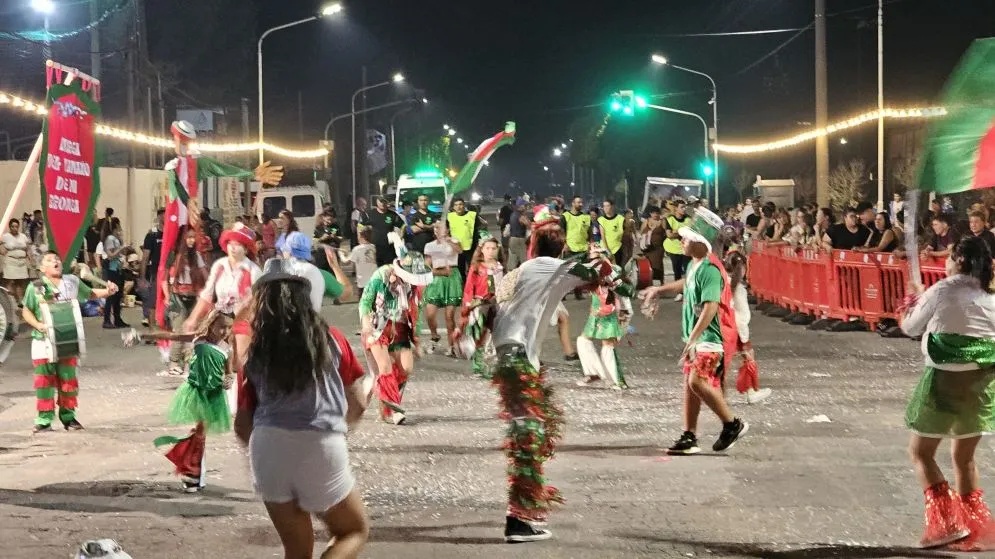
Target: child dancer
955 397
446 289
482 278
748 380
604 323
201 399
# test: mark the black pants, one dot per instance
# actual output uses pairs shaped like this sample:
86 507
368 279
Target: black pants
680 263
112 308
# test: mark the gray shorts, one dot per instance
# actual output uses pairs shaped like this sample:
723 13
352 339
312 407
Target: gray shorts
309 467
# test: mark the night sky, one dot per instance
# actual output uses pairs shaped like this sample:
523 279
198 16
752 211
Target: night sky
542 63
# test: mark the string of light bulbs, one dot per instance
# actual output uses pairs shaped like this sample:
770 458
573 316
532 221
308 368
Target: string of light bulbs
870 116
25 105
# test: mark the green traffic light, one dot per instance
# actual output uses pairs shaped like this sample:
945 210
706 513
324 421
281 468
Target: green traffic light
616 105
707 170
640 101
627 110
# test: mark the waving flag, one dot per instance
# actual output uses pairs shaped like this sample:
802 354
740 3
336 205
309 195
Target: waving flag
959 153
465 179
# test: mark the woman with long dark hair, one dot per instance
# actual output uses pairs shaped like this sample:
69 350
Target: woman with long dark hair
287 225
955 397
883 237
299 397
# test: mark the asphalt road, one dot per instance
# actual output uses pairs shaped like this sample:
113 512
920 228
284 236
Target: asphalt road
798 486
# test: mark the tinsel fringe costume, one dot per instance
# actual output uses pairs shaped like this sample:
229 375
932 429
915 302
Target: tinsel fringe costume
200 400
526 298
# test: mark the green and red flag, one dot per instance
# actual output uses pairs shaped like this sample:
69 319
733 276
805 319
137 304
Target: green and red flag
959 153
69 166
469 173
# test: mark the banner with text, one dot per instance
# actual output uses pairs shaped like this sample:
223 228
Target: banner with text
69 167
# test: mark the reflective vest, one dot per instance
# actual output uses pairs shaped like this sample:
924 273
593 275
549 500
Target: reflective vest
673 246
461 228
578 231
611 232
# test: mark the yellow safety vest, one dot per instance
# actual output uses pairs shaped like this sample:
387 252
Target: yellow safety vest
673 246
461 227
611 232
578 231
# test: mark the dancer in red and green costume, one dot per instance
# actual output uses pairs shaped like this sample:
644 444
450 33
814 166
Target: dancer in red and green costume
388 313
184 175
482 278
59 377
708 330
516 317
610 308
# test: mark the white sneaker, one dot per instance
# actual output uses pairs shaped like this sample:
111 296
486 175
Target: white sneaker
588 381
397 418
430 347
679 298
756 396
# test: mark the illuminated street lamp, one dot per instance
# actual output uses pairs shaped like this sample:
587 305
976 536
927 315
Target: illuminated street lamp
557 152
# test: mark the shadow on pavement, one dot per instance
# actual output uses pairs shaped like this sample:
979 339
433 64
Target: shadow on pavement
827 551
124 496
420 534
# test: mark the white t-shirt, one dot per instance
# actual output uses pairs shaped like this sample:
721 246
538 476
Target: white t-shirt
442 254
311 273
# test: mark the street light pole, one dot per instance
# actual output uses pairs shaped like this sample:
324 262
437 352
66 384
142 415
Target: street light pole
881 207
398 78
393 158
326 11
715 117
704 125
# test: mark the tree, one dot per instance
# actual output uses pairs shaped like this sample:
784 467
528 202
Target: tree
743 183
846 183
906 171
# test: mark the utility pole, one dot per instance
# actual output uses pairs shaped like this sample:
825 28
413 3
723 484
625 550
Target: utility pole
95 40
881 206
149 125
821 106
362 142
246 187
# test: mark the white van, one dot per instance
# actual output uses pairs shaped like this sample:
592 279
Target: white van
429 183
303 201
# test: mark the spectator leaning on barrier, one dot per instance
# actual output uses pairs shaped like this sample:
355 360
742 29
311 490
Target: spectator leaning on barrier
846 235
824 219
751 218
976 224
883 238
943 240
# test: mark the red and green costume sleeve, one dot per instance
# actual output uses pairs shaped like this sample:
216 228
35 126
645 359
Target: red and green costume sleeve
185 174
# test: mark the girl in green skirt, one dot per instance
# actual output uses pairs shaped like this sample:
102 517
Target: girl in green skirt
607 322
955 397
446 289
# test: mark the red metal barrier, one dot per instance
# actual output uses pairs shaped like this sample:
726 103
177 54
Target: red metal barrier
841 284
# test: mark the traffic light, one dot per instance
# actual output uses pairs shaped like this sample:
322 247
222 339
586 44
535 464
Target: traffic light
626 102
707 170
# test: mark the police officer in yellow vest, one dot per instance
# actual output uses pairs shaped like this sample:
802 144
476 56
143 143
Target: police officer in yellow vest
464 226
612 229
677 220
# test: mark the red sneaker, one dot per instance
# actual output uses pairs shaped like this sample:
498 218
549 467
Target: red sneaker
979 521
944 517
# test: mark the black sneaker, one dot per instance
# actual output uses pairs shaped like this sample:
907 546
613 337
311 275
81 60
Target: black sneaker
572 357
520 531
731 432
72 425
686 445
